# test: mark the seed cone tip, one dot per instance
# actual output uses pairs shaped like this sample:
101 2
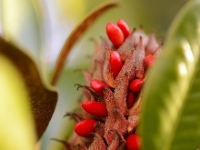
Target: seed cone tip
134 29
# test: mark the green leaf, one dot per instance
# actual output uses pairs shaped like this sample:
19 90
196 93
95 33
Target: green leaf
171 112
42 98
16 127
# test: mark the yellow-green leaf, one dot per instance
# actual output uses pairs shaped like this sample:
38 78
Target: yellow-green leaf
42 98
17 130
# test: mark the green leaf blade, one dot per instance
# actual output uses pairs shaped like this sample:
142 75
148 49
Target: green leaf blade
187 134
171 93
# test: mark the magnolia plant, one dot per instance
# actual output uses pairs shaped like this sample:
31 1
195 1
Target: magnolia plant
140 92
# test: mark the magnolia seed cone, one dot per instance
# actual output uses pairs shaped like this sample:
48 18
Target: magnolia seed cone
112 99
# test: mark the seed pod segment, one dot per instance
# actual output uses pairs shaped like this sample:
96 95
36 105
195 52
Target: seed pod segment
98 86
131 99
124 27
95 108
136 85
133 142
115 63
149 60
115 34
85 127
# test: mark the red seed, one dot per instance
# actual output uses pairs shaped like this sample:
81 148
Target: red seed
98 86
130 99
136 85
95 108
124 27
115 63
115 34
149 60
133 142
85 127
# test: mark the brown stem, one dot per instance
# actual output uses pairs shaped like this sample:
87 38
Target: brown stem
75 36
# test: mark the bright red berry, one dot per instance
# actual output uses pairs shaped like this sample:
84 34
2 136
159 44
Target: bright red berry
136 85
124 27
130 99
115 63
149 60
85 127
98 86
115 34
133 142
95 108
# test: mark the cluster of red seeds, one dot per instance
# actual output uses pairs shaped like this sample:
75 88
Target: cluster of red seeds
120 64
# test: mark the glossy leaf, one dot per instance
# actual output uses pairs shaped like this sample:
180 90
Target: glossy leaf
171 112
16 128
42 98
